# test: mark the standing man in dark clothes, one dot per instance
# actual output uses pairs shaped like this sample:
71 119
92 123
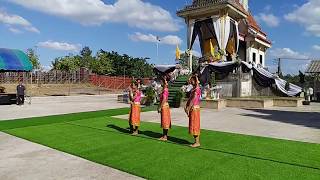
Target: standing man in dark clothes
20 93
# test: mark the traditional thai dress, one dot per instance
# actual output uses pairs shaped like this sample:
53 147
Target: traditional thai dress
194 114
134 118
165 110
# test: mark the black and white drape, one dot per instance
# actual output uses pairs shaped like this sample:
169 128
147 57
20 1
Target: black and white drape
222 29
260 75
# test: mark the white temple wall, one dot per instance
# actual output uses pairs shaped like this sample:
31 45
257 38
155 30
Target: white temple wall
246 85
257 56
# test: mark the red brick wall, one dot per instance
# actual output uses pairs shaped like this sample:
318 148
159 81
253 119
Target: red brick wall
114 83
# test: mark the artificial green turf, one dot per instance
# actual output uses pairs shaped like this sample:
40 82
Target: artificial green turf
104 139
36 121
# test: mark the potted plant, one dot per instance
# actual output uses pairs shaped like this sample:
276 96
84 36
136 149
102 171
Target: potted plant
150 95
177 99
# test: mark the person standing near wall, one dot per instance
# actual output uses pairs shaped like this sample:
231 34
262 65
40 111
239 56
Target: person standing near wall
20 93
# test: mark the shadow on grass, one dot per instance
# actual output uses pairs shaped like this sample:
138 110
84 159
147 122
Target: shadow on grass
150 134
174 140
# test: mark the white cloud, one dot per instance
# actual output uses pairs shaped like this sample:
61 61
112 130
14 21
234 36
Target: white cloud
135 13
286 53
169 40
61 46
307 15
32 29
15 31
269 19
288 66
316 47
15 23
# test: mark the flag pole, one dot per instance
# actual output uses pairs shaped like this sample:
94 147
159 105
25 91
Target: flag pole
158 40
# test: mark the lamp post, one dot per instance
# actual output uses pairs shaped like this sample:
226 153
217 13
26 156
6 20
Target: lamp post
158 41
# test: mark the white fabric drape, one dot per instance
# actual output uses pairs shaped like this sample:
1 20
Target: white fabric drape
190 32
217 28
238 35
225 32
222 30
293 89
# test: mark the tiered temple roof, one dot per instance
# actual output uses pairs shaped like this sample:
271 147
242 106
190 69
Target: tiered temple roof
198 4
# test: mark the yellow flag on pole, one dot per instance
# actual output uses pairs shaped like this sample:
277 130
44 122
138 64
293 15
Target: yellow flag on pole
177 53
212 49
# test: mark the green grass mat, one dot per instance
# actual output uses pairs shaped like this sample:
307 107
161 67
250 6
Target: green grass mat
105 140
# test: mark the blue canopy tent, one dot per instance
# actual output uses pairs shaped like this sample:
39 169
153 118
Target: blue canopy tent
14 60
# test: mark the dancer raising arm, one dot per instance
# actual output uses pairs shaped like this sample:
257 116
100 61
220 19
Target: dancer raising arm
192 109
134 118
164 109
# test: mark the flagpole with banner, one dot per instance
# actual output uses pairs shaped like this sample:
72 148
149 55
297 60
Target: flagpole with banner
178 56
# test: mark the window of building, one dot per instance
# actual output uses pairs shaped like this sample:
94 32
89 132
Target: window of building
261 59
254 57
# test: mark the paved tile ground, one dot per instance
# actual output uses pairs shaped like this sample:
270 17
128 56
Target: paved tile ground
45 106
24 160
299 124
21 159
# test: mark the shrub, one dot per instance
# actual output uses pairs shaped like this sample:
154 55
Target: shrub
177 99
150 96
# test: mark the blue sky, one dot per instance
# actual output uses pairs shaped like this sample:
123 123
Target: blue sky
60 27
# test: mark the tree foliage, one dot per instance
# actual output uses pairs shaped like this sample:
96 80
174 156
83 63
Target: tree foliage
184 61
34 58
68 63
302 80
105 63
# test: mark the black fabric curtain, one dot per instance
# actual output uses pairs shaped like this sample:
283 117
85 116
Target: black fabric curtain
245 68
261 79
196 32
223 69
204 30
233 33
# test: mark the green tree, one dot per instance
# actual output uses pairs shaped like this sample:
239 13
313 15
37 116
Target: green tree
105 63
67 63
301 78
102 63
184 61
34 58
86 57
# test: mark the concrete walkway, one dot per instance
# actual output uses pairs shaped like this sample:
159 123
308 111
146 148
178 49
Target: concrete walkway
45 106
21 159
299 124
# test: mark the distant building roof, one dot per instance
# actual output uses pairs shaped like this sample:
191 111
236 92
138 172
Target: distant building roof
314 67
198 4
